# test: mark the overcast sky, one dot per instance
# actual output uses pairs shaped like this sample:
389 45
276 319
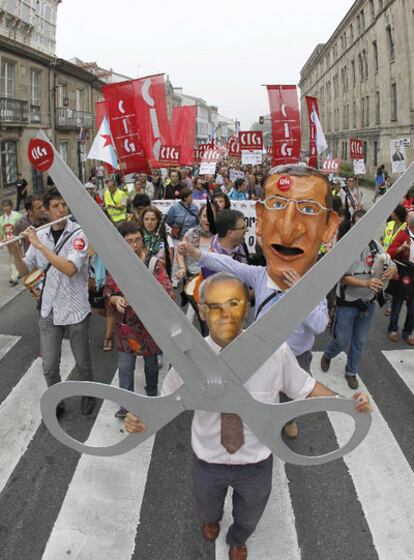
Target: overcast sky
220 50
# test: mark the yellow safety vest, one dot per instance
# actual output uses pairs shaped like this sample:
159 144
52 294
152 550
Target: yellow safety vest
390 235
117 199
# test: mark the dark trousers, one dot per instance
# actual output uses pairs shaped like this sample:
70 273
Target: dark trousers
126 367
396 305
21 196
51 337
251 490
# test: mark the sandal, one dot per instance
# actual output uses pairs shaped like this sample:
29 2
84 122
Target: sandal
107 345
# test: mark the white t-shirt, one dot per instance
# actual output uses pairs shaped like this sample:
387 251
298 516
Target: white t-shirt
281 372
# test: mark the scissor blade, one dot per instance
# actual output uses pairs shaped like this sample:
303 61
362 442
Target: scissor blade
250 350
191 356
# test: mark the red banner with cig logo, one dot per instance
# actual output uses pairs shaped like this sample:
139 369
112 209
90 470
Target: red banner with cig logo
285 116
356 148
170 156
234 147
312 105
183 125
121 111
251 140
153 124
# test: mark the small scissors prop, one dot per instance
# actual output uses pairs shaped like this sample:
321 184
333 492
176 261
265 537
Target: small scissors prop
211 382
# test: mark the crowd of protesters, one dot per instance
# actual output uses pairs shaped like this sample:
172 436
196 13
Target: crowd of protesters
190 244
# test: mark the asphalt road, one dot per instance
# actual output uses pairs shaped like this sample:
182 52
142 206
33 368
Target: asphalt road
56 504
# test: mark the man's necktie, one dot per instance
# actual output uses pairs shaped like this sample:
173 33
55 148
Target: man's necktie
232 435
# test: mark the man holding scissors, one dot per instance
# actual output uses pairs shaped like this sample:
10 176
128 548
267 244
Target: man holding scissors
226 452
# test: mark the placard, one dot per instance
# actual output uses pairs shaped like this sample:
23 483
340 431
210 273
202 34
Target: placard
359 167
331 166
251 157
207 168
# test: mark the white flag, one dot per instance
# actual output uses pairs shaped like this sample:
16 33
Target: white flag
103 147
321 144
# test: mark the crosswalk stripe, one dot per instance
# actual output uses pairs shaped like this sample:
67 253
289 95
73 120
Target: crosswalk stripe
6 343
403 363
102 507
20 413
383 479
276 530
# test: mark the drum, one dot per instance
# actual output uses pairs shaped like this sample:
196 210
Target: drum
34 283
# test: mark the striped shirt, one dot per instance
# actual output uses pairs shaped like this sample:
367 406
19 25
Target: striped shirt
66 297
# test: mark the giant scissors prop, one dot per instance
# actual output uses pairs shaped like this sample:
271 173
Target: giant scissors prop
211 382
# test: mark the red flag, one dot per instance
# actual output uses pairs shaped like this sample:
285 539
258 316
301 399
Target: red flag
183 125
234 147
123 122
151 109
284 112
312 105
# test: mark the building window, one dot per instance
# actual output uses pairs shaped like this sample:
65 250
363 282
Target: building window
367 111
377 108
394 107
365 60
62 95
79 99
353 72
375 162
372 8
358 25
7 79
35 87
63 150
8 159
360 67
11 7
354 115
34 96
351 32
362 20
375 51
335 86
365 151
390 42
344 154
362 112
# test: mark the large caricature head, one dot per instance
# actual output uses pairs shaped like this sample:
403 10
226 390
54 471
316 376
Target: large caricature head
293 219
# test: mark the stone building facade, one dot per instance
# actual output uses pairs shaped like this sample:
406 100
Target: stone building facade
363 78
40 91
30 22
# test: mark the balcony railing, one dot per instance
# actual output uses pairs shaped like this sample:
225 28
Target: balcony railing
68 118
35 113
13 111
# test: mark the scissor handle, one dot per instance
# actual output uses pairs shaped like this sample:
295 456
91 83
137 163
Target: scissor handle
267 420
156 412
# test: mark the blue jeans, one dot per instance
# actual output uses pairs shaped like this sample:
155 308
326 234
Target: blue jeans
396 305
350 331
126 367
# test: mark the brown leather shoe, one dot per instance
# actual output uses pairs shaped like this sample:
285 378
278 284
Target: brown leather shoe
238 552
409 340
291 429
211 531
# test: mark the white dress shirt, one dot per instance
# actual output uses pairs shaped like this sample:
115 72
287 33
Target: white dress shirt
280 372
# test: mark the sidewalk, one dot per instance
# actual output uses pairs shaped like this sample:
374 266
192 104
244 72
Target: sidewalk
7 292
